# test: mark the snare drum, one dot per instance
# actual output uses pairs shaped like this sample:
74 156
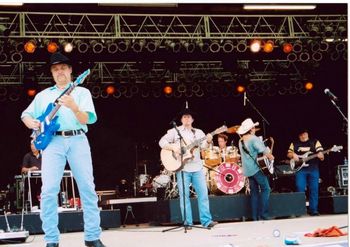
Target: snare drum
227 178
143 179
212 156
232 155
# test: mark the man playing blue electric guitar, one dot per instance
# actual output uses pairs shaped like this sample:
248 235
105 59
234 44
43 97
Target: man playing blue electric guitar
68 143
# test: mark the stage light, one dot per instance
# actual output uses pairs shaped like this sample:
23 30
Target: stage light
189 46
67 46
324 46
110 89
287 47
97 47
304 56
228 46
81 46
314 31
203 46
255 46
112 47
317 56
242 46
297 46
31 92
214 46
328 31
340 47
16 57
137 46
123 45
51 46
152 46
30 46
167 90
308 85
268 46
342 31
240 89
3 57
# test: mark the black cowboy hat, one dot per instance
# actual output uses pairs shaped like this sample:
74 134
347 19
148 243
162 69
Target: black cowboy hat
187 111
59 58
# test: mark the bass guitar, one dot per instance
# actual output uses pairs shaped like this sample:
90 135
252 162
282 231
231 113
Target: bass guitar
172 162
303 159
266 165
48 121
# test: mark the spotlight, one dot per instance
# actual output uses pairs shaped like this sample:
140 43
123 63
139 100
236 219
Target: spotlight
123 45
287 47
3 57
110 89
304 56
137 46
82 46
240 89
152 46
189 46
268 46
228 46
167 90
297 46
317 56
30 46
255 46
342 31
324 45
328 31
203 46
308 85
214 46
4 31
292 57
340 47
19 46
112 47
51 46
97 47
242 46
31 92
67 46
314 45
16 57
314 31
335 56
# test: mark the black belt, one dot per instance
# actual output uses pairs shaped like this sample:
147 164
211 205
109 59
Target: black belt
69 132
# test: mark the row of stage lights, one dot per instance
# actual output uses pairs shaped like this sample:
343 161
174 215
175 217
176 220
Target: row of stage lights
227 46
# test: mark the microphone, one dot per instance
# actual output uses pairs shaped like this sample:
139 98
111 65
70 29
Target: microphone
173 123
330 94
244 98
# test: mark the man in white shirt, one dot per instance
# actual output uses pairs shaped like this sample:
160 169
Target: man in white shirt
192 170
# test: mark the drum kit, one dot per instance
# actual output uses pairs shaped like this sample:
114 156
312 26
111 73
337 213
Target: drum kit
223 170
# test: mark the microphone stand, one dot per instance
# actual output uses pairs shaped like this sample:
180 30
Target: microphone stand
342 114
184 223
264 121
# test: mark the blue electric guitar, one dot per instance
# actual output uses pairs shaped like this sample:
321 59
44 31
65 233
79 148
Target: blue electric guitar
48 120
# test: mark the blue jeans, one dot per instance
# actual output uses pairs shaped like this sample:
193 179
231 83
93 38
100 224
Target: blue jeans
309 176
76 151
259 187
198 182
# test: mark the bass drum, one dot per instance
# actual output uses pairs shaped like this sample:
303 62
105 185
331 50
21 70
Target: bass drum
227 178
160 181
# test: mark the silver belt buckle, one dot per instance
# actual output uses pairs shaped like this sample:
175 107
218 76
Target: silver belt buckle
63 134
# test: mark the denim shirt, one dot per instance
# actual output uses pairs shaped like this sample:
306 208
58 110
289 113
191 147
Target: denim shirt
66 117
255 146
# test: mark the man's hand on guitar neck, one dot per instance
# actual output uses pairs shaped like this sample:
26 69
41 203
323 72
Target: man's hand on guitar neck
31 123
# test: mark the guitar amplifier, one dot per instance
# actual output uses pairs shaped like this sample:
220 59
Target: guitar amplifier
284 170
342 176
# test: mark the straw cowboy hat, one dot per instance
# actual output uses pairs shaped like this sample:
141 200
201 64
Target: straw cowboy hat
246 125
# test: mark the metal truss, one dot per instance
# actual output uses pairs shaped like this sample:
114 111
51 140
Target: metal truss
75 26
160 72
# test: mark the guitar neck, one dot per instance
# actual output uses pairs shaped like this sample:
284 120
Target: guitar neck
315 155
197 142
57 106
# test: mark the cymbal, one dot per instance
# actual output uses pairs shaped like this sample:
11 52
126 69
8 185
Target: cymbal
232 129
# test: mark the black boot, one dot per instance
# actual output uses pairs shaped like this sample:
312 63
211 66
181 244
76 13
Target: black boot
52 245
95 243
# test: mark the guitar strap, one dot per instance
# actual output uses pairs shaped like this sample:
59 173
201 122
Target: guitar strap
245 149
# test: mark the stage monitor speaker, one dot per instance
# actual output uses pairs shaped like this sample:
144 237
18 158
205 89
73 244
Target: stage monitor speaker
337 204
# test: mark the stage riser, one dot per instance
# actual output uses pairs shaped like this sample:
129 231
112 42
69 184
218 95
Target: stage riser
68 221
333 204
237 207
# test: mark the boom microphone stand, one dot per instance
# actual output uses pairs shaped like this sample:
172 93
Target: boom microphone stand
182 149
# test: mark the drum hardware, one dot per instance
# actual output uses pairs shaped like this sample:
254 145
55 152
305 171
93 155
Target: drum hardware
129 210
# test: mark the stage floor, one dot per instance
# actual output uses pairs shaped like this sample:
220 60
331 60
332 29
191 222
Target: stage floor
238 234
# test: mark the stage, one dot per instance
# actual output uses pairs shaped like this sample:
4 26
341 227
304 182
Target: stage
249 234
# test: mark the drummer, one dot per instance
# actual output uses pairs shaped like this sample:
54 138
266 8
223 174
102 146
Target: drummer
228 153
222 143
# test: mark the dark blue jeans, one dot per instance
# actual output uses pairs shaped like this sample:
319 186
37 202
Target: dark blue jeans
259 188
309 176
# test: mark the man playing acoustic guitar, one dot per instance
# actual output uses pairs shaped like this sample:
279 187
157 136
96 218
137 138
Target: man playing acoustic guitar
69 143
